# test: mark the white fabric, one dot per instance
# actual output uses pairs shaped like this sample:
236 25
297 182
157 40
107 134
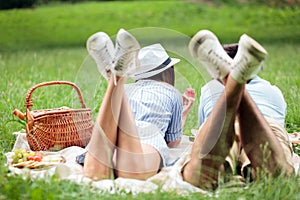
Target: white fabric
168 179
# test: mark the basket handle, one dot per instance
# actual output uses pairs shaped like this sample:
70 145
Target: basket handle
29 103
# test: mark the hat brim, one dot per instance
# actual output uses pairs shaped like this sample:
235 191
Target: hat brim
148 74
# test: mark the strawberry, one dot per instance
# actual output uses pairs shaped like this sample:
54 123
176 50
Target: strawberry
190 92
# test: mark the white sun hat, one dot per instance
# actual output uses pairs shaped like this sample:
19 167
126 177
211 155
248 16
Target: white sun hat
153 60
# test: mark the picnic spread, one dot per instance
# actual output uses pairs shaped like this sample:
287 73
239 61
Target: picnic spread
63 164
53 138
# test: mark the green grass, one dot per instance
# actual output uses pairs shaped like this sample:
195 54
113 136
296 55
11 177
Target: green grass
22 70
48 43
70 25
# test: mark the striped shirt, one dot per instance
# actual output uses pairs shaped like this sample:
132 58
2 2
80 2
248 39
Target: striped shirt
158 106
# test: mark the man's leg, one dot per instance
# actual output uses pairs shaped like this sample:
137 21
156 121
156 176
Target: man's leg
258 140
216 135
207 156
214 139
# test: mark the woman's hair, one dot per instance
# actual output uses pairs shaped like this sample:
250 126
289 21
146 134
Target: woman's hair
231 49
167 76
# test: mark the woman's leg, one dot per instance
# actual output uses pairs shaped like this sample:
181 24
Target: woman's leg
98 161
134 160
116 130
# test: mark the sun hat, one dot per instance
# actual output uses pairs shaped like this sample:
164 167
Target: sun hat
153 60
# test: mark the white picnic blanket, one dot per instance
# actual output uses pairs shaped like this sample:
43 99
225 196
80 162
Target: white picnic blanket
168 179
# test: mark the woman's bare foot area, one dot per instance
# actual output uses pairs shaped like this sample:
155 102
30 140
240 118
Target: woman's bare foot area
94 169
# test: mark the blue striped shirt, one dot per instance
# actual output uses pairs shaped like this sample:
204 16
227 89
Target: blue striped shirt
156 103
157 108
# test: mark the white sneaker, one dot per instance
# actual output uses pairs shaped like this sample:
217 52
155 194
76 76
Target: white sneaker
206 48
249 59
101 48
126 59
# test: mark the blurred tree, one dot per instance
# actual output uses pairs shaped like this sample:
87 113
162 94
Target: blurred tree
9 4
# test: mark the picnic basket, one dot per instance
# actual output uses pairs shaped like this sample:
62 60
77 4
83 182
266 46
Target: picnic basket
56 128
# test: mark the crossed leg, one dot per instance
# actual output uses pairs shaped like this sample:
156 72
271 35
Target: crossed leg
217 135
256 134
214 139
98 160
115 131
134 159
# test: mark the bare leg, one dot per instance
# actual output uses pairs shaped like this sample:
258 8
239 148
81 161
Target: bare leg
215 139
116 130
98 161
134 160
255 133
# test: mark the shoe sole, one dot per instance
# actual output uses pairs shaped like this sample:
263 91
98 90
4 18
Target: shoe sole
95 43
208 42
125 36
250 56
199 39
253 47
94 40
126 41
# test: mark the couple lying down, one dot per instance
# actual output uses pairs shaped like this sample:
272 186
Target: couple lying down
241 115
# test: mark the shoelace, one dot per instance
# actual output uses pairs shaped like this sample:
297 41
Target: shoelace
124 61
118 62
215 58
243 66
105 58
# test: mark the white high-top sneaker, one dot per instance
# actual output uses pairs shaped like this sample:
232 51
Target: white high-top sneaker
206 48
249 59
126 58
101 48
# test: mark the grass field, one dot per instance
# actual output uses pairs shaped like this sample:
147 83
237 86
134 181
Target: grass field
48 43
70 25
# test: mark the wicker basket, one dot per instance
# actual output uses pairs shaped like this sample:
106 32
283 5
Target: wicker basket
57 128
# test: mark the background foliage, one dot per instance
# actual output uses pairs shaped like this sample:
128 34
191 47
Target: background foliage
10 4
69 25
47 42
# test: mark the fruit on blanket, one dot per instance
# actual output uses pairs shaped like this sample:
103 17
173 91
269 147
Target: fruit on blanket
37 158
190 92
22 155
